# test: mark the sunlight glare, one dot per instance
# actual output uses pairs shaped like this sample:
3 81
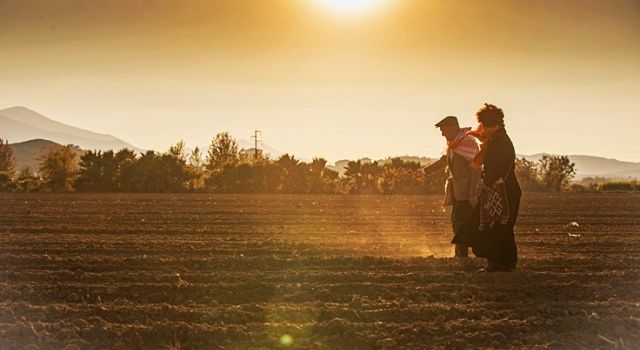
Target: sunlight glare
350 7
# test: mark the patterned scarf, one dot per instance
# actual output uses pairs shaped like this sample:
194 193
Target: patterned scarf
484 135
464 145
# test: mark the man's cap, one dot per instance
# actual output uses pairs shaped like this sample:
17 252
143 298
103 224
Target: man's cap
448 121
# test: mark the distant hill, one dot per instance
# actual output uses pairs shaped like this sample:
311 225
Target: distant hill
266 149
592 166
18 124
29 152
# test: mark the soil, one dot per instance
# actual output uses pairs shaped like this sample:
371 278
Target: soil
200 271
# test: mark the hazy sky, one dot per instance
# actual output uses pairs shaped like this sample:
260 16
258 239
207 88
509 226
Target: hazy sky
322 82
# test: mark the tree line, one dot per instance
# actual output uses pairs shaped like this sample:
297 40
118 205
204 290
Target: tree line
225 168
549 174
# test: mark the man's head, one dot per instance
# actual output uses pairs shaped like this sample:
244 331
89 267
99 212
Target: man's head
449 127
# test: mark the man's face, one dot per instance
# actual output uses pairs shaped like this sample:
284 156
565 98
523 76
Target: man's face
449 132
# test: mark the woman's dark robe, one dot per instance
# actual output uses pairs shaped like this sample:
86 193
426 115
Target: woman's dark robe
497 243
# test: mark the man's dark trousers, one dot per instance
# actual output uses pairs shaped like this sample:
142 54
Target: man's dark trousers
459 213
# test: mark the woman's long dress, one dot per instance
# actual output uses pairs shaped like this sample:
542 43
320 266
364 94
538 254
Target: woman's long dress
496 243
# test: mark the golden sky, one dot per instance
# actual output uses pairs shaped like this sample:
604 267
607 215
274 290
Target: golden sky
321 82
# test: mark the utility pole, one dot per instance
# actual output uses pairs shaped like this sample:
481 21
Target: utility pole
256 140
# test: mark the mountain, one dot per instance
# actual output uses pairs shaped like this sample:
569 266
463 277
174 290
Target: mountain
592 166
266 149
28 153
19 124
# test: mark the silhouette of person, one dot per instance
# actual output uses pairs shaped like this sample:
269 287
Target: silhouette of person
495 241
460 190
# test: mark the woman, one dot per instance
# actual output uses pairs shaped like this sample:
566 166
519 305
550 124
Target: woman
494 241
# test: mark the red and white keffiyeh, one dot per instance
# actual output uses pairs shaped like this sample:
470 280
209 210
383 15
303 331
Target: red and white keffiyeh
464 145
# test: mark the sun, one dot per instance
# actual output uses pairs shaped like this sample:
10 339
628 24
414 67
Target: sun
350 7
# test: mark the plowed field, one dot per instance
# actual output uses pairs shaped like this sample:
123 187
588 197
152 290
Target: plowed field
119 271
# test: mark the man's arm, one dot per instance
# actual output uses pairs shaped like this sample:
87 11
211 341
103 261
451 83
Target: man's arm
434 167
476 173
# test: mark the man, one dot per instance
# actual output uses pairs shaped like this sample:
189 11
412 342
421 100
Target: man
463 176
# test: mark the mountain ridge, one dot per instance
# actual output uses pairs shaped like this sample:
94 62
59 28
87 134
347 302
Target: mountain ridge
595 166
18 124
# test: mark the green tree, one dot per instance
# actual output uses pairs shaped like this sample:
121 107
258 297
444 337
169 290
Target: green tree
174 163
7 183
28 180
195 157
321 179
140 176
527 173
285 175
556 172
352 178
222 151
124 159
196 173
292 174
234 178
59 168
102 171
154 173
97 172
178 151
400 177
362 178
7 160
7 167
271 177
